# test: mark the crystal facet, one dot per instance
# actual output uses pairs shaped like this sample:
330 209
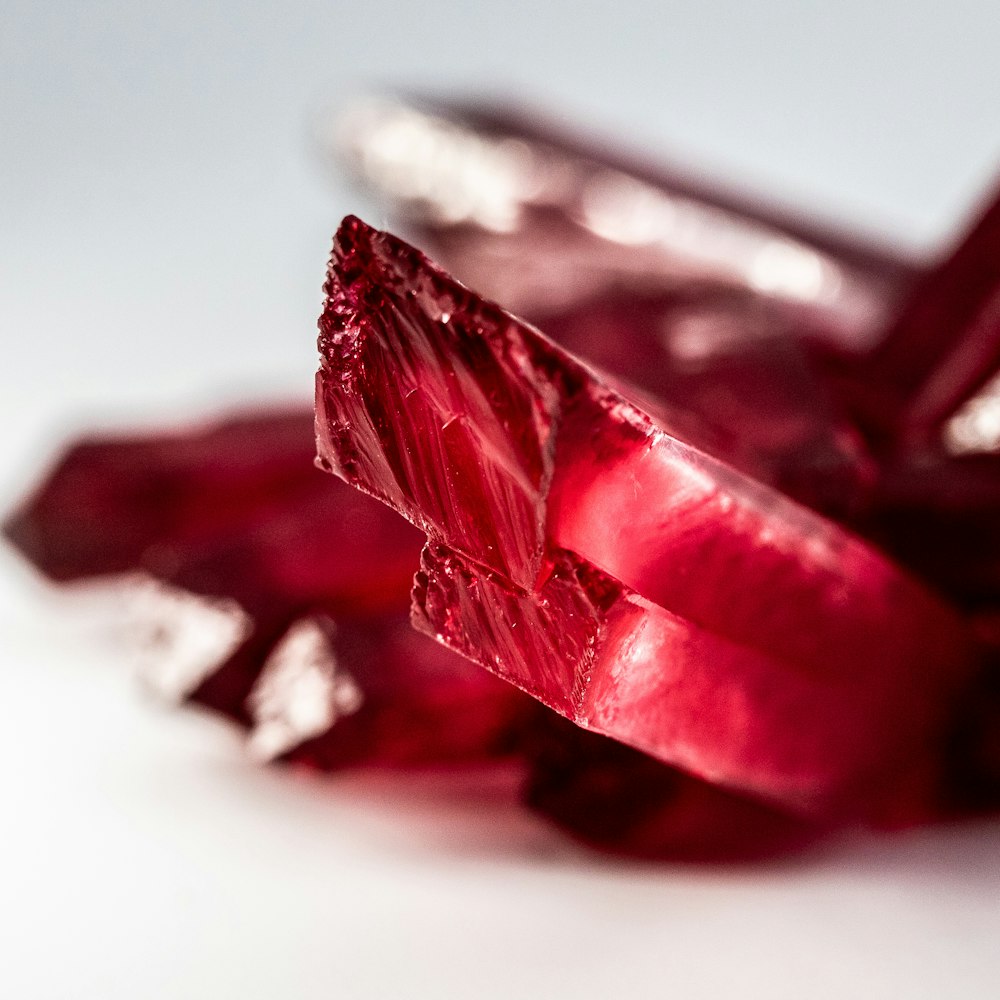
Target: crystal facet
535 481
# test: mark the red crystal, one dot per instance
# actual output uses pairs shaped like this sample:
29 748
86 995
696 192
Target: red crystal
237 510
731 378
234 508
542 483
543 220
380 693
617 799
582 542
943 347
419 705
929 401
940 515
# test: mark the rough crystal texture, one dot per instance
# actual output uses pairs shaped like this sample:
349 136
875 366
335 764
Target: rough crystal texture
481 408
617 664
515 457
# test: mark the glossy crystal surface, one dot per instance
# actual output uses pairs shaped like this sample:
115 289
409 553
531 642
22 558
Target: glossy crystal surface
536 482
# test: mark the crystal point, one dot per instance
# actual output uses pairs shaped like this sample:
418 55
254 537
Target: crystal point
232 508
614 798
450 373
541 219
934 368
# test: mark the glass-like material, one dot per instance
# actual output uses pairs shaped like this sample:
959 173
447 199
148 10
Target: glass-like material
596 559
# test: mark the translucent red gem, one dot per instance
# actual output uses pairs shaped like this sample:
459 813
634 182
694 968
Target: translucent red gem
650 517
622 576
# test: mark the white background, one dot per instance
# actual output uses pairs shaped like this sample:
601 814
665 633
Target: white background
163 232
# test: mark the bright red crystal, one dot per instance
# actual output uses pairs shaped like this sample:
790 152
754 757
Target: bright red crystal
622 576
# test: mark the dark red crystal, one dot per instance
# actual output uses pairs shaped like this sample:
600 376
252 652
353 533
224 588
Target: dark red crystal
943 348
373 691
233 508
237 510
617 799
419 704
543 220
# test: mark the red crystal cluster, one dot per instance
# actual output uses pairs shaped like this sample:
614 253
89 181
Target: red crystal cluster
733 515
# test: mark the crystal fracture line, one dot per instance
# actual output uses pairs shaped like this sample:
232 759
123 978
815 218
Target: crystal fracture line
513 456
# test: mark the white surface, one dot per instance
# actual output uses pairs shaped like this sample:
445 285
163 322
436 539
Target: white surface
162 240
